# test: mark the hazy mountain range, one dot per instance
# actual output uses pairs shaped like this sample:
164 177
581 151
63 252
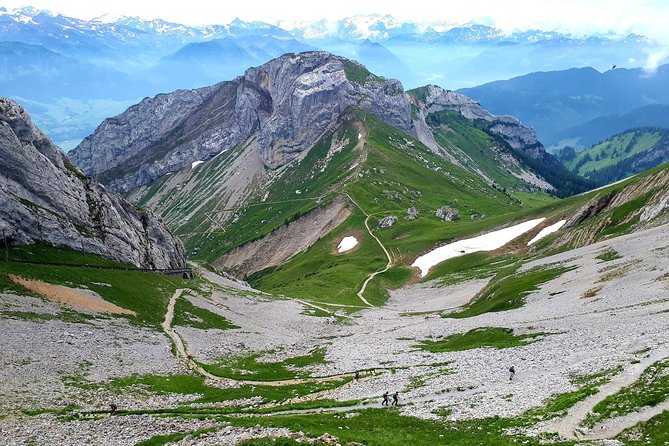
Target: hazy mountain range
562 105
72 73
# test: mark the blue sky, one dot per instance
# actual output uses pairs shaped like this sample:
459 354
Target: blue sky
648 17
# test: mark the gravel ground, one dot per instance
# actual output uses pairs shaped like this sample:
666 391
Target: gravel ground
627 314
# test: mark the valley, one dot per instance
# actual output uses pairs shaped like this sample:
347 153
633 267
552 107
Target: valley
309 253
575 347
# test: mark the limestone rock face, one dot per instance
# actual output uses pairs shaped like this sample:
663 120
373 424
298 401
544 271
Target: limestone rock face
447 213
286 105
43 197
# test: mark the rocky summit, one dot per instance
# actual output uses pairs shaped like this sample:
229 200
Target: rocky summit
44 197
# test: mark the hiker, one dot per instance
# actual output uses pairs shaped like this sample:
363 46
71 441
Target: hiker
113 409
385 399
396 398
512 373
357 375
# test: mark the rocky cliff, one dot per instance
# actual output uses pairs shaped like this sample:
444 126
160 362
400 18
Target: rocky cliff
43 197
284 107
435 99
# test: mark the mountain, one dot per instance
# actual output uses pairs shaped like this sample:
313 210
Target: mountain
260 174
44 198
552 102
141 145
601 128
627 153
43 75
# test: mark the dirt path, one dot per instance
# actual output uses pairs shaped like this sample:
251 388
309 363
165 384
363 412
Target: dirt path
569 427
76 298
184 355
613 427
376 273
182 351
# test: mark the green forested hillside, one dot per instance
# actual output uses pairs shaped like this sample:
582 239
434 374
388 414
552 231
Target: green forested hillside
620 156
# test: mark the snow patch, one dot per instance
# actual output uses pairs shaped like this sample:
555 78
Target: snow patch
486 242
347 243
546 231
195 164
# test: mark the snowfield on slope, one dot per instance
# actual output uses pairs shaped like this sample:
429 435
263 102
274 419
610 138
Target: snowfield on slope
547 231
486 242
347 243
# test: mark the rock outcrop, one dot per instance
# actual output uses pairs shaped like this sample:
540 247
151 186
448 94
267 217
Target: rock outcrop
517 135
594 207
447 213
412 213
387 222
43 197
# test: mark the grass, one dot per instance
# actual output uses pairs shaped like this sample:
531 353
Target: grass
613 151
493 337
387 427
145 293
249 368
396 173
64 315
43 252
356 72
319 274
195 385
650 389
652 432
160 440
558 405
609 255
188 315
507 291
452 130
624 217
259 217
477 265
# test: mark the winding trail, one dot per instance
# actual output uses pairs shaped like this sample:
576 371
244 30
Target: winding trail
570 427
184 355
376 273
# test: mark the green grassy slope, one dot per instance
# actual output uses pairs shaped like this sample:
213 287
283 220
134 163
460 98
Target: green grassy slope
144 293
395 173
452 130
621 155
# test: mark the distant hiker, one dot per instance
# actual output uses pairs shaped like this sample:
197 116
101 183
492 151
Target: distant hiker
396 398
385 399
113 409
357 375
512 372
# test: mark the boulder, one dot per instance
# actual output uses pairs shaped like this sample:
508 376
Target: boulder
387 222
448 213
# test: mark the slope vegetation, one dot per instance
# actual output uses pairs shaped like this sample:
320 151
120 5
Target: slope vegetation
622 155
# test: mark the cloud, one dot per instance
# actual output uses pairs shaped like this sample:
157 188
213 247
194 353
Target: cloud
654 60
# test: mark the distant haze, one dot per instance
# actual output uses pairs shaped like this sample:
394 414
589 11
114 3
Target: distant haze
647 17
